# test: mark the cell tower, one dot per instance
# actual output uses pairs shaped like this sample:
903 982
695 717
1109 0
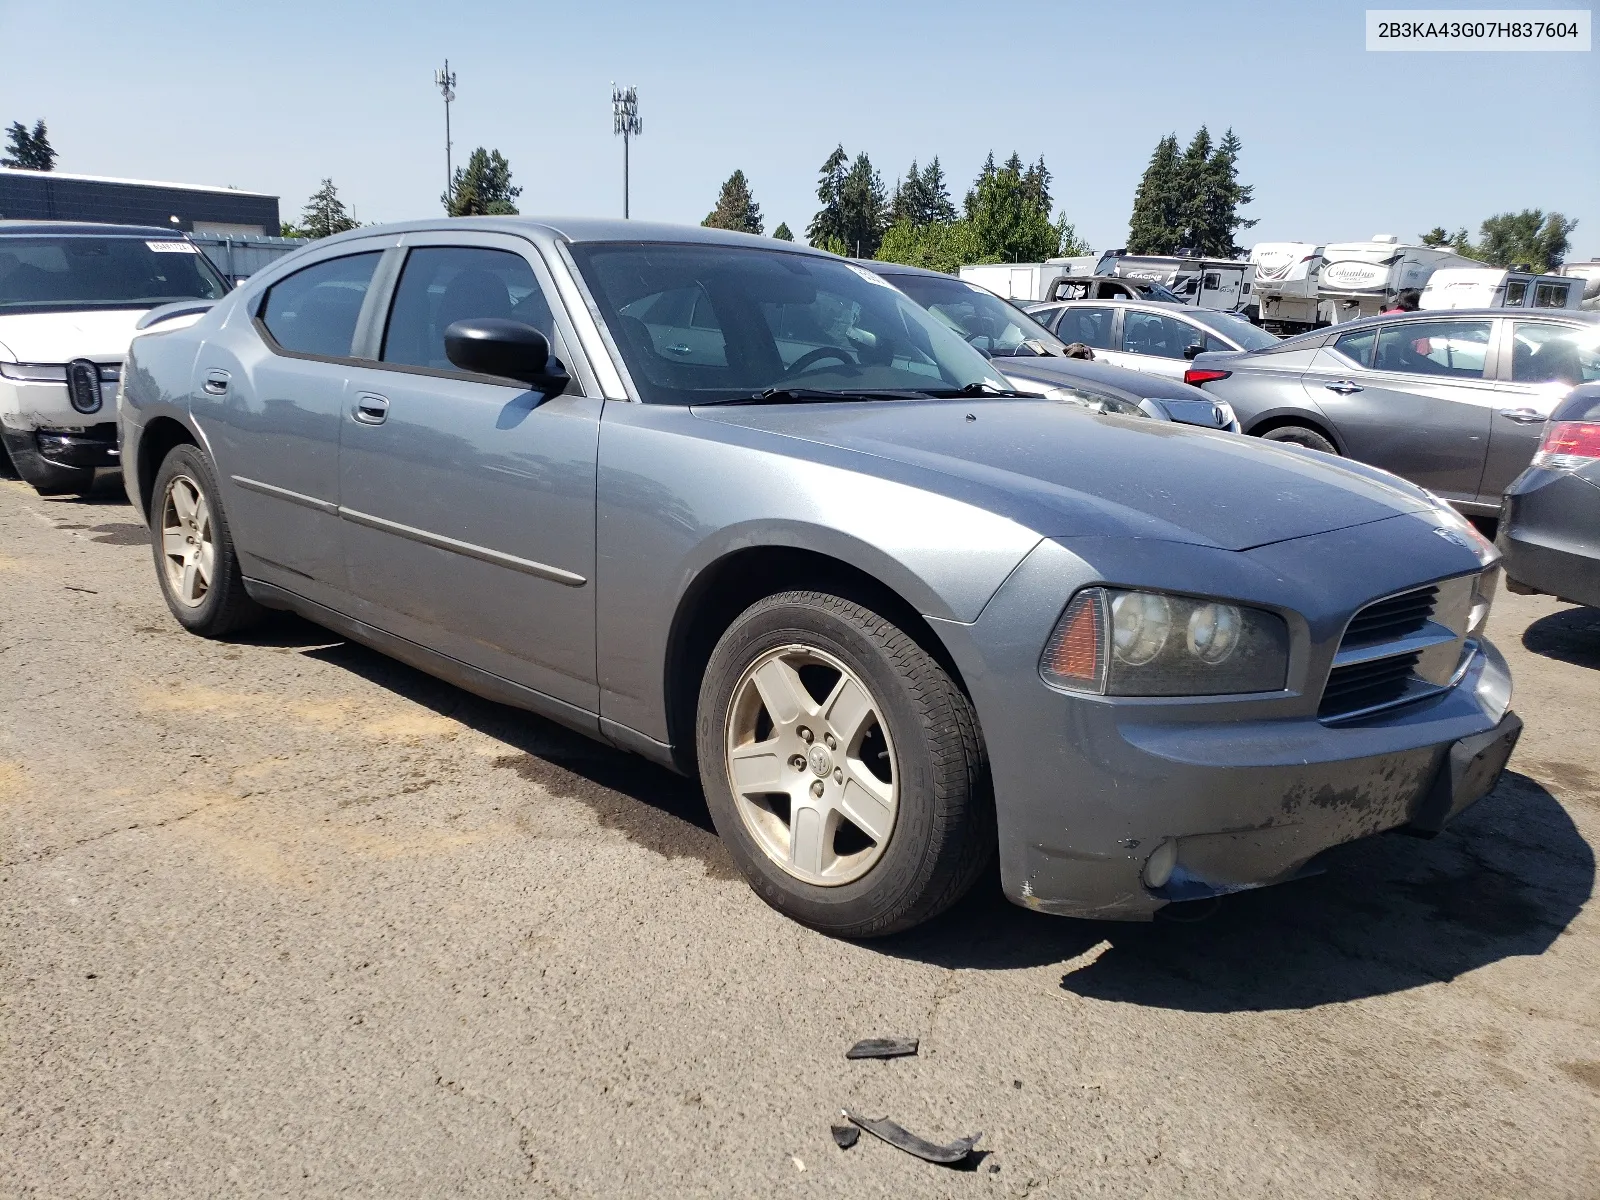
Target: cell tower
445 81
625 121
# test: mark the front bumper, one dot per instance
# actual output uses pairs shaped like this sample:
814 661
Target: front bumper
1550 534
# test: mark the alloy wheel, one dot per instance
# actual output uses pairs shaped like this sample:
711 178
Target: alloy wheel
188 544
811 765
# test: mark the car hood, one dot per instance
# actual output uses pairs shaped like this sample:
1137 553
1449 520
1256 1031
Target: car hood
1066 371
61 337
1064 472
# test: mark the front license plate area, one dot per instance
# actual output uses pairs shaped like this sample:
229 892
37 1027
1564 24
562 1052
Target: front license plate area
1469 772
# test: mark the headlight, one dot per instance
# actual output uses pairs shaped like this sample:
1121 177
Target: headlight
1098 402
1483 588
34 372
1127 643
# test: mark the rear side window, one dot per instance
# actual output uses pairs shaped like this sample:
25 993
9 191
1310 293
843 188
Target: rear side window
314 311
1156 335
1357 347
1455 349
1550 295
1542 352
1091 326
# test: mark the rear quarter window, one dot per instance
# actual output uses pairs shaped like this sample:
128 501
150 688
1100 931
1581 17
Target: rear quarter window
314 311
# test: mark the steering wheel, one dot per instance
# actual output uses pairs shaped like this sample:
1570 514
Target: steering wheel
811 357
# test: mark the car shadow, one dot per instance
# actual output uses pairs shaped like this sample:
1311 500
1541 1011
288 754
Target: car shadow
1390 913
1570 636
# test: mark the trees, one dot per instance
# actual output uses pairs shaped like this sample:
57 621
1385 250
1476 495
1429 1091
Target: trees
922 198
736 208
1190 200
783 233
1510 239
482 187
1009 211
324 214
855 209
29 151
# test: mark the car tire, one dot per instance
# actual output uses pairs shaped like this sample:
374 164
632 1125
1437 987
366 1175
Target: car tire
1300 435
196 564
889 818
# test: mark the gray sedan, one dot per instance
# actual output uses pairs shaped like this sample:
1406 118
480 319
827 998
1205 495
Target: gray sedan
742 508
1150 336
1456 402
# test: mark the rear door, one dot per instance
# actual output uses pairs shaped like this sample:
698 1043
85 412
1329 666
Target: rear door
1416 403
468 501
1153 341
1092 324
1540 362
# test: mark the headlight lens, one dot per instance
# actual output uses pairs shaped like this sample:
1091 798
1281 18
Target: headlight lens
1483 589
1133 643
34 372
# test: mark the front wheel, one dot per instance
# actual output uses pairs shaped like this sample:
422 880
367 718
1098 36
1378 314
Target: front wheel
195 558
843 766
1300 435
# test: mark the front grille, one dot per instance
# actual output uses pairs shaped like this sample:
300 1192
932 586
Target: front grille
1391 619
1365 685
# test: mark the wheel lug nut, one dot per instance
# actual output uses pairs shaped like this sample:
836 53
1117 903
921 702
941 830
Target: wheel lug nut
798 763
838 775
806 735
828 738
816 788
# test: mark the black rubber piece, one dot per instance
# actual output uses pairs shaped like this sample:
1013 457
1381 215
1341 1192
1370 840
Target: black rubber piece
892 1047
227 608
903 1139
845 1136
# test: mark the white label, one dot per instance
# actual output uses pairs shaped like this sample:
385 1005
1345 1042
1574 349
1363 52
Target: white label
172 248
1496 29
871 278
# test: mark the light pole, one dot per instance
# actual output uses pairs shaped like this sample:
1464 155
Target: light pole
445 81
625 121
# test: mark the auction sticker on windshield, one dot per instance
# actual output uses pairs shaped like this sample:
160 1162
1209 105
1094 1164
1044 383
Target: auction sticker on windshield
1497 29
172 248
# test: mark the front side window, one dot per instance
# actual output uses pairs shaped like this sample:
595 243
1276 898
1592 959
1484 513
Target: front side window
1091 326
1550 295
440 285
1156 335
1357 347
1542 352
1454 349
981 317
314 311
67 273
697 323
1516 293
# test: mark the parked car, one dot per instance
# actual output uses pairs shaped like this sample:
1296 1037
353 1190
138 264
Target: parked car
70 295
1148 335
742 507
1034 360
1219 284
1550 526
1455 402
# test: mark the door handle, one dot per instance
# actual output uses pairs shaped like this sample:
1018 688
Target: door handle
1523 416
371 409
216 383
1345 387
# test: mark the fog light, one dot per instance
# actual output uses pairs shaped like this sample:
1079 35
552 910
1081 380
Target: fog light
1158 867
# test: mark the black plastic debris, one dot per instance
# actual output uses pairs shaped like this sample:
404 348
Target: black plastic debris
845 1136
891 1047
903 1139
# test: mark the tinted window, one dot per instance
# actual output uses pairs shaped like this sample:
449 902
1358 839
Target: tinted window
1357 347
314 311
1153 334
1091 326
1236 329
440 285
978 315
1550 295
1545 353
1456 349
38 274
1516 293
701 322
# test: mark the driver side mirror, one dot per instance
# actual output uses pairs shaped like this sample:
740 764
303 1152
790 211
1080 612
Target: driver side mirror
1190 351
508 349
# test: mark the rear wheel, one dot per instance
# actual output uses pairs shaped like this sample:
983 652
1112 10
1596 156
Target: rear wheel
842 766
195 559
1300 435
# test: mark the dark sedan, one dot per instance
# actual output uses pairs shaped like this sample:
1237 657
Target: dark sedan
1550 525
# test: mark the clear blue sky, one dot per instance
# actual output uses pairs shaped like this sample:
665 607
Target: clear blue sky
1339 143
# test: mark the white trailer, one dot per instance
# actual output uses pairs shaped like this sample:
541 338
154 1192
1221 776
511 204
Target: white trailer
1589 272
1359 279
1017 281
1491 287
1286 285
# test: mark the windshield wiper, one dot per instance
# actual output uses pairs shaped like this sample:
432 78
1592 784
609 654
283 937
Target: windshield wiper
786 395
974 389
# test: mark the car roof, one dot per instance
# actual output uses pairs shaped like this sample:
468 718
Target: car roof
1125 302
85 228
580 229
1450 314
894 268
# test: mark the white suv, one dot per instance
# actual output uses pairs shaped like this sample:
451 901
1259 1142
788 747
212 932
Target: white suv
70 297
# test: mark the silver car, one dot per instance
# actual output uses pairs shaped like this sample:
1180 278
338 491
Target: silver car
741 507
1147 335
1455 401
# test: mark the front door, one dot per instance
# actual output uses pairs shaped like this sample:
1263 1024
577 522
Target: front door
1417 404
1540 362
1152 341
468 502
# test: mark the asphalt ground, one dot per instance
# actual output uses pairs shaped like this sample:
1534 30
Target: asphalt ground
280 916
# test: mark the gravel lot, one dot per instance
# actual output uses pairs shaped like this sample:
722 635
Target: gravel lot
282 916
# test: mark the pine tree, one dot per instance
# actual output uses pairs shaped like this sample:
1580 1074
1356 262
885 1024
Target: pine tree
940 209
1221 197
324 214
482 187
29 151
783 233
863 208
828 224
1193 184
736 208
1154 227
922 198
1008 209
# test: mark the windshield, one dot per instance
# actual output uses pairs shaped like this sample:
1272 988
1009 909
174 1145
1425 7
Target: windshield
1250 337
979 316
698 323
45 274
